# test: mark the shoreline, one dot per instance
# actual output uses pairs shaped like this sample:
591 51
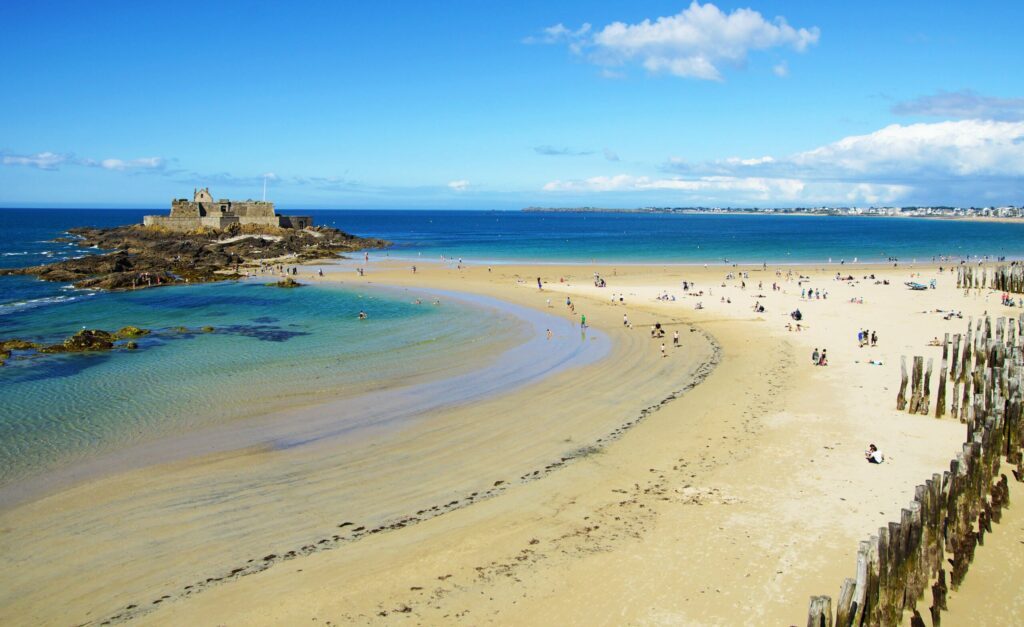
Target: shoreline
722 476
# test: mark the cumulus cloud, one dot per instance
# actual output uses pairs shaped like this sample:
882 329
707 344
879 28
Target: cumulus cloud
695 43
459 185
968 161
944 149
145 163
761 187
53 161
963 104
41 160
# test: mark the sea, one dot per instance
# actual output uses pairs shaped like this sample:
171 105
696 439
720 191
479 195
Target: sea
270 349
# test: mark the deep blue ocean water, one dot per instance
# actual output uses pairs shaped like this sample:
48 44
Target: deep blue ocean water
666 238
271 345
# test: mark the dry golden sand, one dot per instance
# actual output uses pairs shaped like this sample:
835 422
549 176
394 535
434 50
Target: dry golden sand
731 504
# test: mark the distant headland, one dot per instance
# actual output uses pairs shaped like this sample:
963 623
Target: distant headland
1006 212
202 240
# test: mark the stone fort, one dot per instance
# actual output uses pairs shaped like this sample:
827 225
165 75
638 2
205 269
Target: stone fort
205 212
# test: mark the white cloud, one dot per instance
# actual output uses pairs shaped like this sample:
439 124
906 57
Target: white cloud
966 161
459 186
781 69
963 104
557 34
694 43
757 186
943 149
53 161
41 160
145 163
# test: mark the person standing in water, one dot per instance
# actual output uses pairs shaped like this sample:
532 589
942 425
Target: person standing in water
583 321
549 334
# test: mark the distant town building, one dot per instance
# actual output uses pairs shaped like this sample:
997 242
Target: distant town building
205 212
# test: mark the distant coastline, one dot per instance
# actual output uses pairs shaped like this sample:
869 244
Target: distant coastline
987 214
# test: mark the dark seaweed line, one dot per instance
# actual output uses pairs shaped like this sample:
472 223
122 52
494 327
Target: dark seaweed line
355 532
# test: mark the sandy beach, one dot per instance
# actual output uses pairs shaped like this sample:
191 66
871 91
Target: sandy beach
723 482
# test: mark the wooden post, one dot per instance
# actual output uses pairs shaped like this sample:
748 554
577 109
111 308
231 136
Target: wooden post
844 609
956 354
926 399
915 384
901 398
861 586
940 404
819 614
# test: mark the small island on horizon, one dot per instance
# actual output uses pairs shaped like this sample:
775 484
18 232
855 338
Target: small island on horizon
201 241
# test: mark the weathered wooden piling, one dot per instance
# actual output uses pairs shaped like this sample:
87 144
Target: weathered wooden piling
916 375
927 394
901 398
952 512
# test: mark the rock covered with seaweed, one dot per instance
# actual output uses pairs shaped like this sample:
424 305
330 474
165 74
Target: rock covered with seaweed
147 256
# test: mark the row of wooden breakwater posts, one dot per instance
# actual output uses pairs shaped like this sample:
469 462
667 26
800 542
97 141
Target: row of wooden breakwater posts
1007 278
952 511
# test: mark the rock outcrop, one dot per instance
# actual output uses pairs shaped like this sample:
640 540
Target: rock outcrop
152 256
286 282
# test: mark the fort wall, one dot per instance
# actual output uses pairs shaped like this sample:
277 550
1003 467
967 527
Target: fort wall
205 212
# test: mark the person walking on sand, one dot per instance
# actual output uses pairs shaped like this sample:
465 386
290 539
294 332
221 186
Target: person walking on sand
625 320
874 338
540 286
823 360
815 356
583 321
675 339
663 354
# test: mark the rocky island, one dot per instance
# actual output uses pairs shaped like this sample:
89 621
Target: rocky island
201 241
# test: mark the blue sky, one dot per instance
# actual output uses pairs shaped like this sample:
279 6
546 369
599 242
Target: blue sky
504 105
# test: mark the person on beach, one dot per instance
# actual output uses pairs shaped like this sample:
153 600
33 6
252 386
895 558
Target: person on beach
815 356
540 286
873 455
583 321
874 338
823 360
675 339
663 354
625 320
549 334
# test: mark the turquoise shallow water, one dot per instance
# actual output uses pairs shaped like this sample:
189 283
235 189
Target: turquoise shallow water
271 348
275 348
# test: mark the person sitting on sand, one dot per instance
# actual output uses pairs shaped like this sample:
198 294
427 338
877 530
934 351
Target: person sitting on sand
935 342
873 455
